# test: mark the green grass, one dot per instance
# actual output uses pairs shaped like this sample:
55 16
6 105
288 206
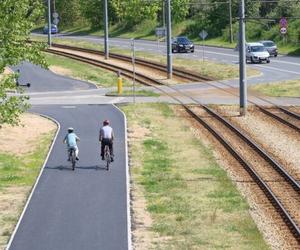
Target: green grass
289 88
85 71
20 171
193 203
17 176
138 93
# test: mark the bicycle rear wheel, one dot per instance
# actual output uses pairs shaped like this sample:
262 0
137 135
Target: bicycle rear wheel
107 156
73 159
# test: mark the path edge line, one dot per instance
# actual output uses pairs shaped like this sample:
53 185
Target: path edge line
127 181
37 179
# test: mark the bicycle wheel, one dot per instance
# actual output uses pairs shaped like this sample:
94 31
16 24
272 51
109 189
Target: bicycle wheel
107 156
73 159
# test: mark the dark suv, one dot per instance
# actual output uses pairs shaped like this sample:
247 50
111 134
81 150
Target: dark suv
271 47
182 44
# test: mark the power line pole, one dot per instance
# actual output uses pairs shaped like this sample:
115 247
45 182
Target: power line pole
106 48
169 34
49 23
242 47
230 21
163 14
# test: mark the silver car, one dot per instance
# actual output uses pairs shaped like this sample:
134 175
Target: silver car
271 47
257 53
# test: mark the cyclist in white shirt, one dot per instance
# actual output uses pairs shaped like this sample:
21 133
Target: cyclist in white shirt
106 137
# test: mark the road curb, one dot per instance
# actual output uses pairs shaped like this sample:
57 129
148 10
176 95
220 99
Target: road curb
37 179
127 181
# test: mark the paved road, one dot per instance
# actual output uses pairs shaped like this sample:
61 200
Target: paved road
280 68
87 208
43 80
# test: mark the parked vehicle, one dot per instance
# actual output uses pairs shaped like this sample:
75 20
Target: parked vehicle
271 47
257 53
182 44
54 29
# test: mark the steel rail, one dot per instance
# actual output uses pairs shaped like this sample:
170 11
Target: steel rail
190 76
126 72
287 218
158 66
294 228
277 117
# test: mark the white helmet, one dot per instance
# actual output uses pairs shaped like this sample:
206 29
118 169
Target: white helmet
70 130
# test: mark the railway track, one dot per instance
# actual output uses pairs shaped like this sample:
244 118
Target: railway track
145 80
185 74
282 190
282 114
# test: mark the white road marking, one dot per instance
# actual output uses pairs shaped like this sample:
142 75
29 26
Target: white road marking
278 69
35 184
68 107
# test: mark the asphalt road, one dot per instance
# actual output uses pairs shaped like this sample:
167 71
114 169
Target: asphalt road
82 209
281 68
43 80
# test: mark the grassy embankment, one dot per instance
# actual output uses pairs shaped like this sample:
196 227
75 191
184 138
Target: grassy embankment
282 89
83 71
192 202
90 73
211 69
17 176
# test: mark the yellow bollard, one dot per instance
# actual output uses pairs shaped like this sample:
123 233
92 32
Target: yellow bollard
120 85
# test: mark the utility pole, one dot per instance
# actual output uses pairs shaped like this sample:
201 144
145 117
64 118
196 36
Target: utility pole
106 48
169 34
133 68
242 47
163 14
49 22
230 21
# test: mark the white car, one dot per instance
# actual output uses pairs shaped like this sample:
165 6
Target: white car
257 53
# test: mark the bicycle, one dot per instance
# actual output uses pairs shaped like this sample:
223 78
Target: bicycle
72 156
107 156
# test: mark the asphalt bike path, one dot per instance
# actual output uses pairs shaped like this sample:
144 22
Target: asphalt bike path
85 208
82 209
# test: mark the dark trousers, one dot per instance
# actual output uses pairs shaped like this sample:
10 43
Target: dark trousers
110 145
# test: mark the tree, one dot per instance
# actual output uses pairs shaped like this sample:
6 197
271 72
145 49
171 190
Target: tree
17 19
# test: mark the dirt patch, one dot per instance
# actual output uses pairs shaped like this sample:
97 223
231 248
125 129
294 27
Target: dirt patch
23 139
142 221
11 199
60 70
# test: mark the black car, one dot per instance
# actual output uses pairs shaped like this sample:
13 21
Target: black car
182 44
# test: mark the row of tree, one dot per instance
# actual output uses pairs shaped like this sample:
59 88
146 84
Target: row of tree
212 15
18 17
